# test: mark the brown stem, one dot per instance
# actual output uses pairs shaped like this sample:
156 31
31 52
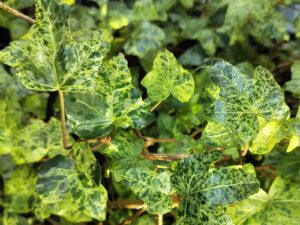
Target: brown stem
137 204
127 204
63 118
16 13
245 150
266 167
198 131
155 106
134 217
164 157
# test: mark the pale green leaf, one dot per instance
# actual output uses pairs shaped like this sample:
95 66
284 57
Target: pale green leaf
51 58
115 104
176 81
35 141
273 131
294 84
242 99
69 192
280 206
19 190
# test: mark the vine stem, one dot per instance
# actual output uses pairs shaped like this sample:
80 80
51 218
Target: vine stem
16 13
163 157
160 219
155 106
134 217
63 118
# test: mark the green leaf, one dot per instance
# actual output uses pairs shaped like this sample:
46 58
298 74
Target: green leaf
289 165
151 187
51 58
280 206
243 100
273 131
14 219
177 81
35 141
294 84
66 187
205 191
19 190
147 37
115 104
128 166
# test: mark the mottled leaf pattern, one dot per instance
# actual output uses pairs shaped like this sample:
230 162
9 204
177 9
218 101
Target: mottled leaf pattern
205 191
52 58
127 165
116 103
65 186
168 78
146 38
243 99
280 206
19 189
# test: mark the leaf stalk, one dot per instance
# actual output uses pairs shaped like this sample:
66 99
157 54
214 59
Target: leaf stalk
16 13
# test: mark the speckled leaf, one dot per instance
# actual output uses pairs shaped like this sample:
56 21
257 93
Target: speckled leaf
14 219
115 104
19 190
49 57
176 81
280 206
206 190
128 166
146 37
294 84
35 141
243 99
152 187
68 191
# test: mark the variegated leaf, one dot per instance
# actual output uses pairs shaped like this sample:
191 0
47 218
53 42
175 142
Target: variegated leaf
168 77
66 187
49 57
280 206
115 104
205 191
242 99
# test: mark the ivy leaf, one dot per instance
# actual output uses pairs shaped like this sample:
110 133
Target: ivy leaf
151 187
294 84
65 186
243 100
289 165
129 167
280 205
19 190
273 131
35 141
51 58
206 191
115 104
147 37
177 81
14 219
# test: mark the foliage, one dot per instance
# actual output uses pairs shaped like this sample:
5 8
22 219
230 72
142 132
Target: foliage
185 110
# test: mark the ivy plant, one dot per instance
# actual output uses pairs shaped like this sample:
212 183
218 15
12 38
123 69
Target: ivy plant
149 112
